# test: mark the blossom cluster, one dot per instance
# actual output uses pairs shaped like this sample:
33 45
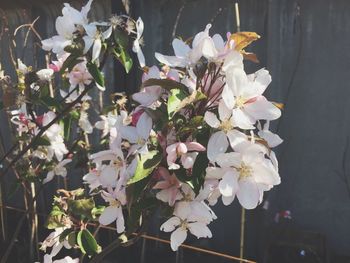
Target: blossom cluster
197 132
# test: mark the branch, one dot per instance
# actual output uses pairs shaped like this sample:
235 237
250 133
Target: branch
45 128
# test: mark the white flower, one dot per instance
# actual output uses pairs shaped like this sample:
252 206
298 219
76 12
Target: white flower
45 74
80 76
114 212
245 173
149 95
243 94
57 146
111 122
67 259
271 138
202 45
84 122
187 216
218 141
137 42
138 135
59 169
114 171
65 27
94 39
53 241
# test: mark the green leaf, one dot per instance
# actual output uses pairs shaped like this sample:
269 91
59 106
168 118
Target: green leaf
65 233
56 211
54 222
81 207
70 62
96 74
124 58
98 210
175 101
1 105
198 171
87 243
167 84
41 141
145 166
72 239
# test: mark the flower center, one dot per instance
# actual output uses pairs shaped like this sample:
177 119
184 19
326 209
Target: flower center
184 224
240 101
226 125
244 171
114 203
118 163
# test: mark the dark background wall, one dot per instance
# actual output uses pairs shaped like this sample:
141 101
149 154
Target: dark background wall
306 46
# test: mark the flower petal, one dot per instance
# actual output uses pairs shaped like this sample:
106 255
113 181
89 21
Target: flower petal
177 238
217 144
108 215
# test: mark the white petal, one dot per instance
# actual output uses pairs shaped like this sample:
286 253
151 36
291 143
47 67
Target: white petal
171 60
217 144
129 133
108 215
88 41
50 175
228 185
227 200
211 119
170 224
96 50
120 221
242 120
231 159
262 109
144 126
177 238
181 49
224 111
218 41
265 175
236 137
228 97
233 60
200 230
248 194
272 139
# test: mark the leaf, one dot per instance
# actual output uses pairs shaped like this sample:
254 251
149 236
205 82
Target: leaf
72 239
54 222
96 74
70 62
198 171
278 105
81 207
87 243
167 84
56 211
41 141
1 105
250 56
145 166
243 39
124 58
64 234
98 210
175 101
179 100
